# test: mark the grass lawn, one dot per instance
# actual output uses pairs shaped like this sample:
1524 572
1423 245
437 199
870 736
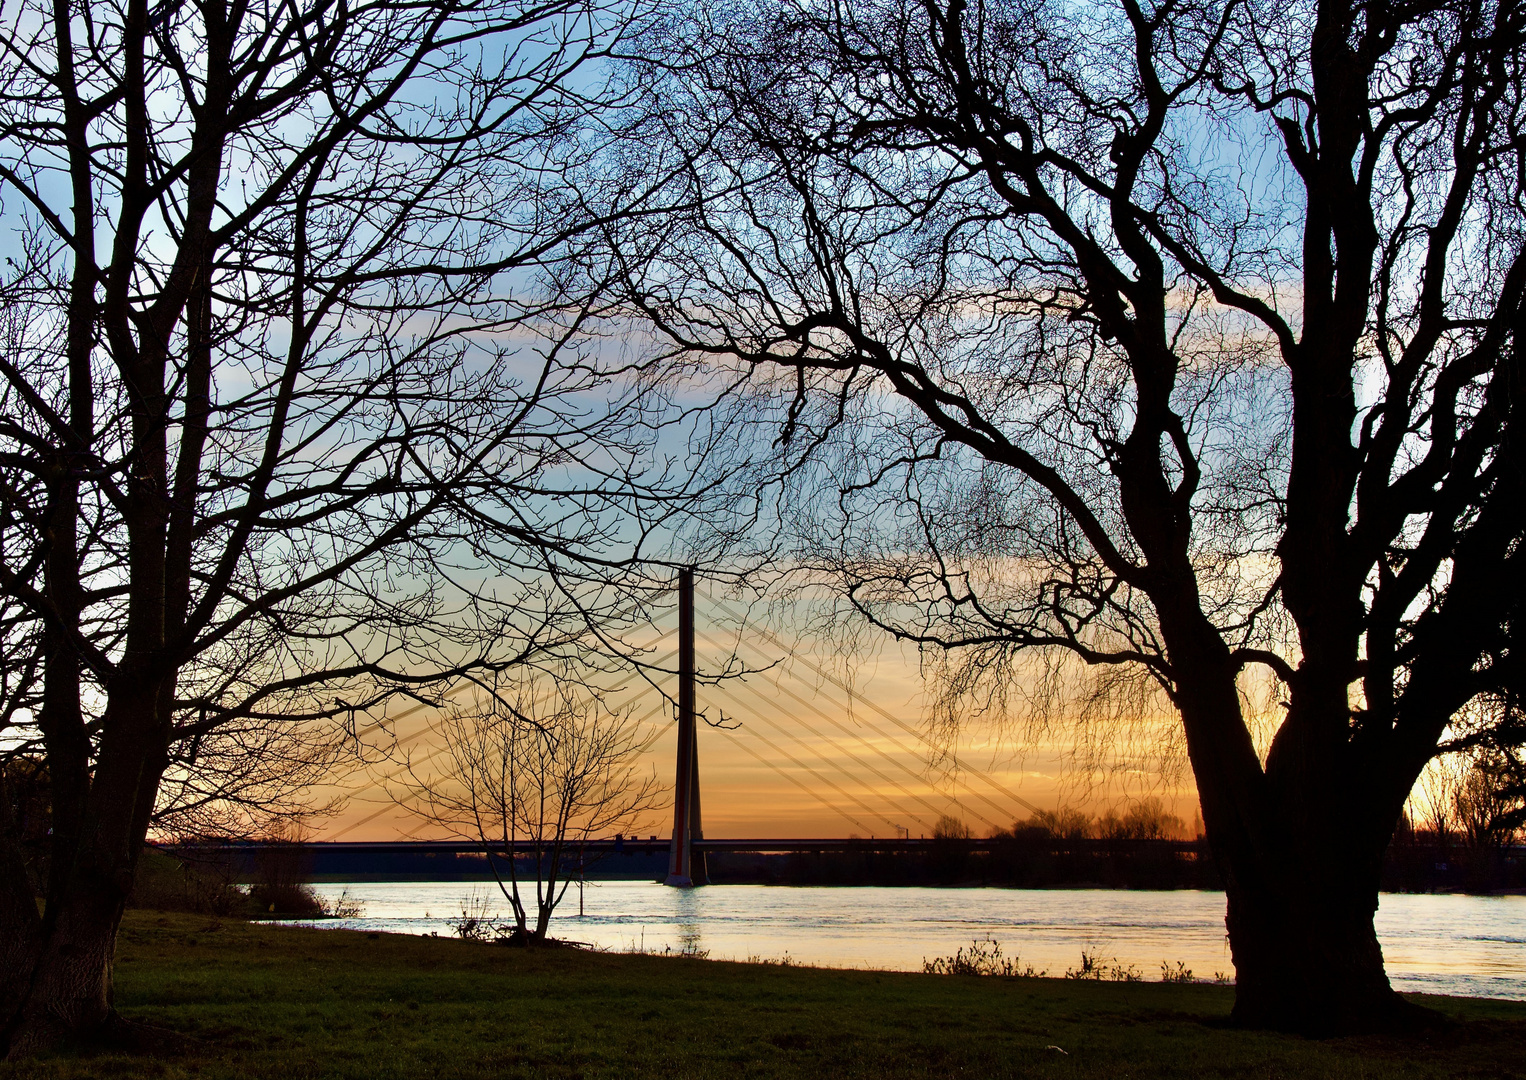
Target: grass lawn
291 1003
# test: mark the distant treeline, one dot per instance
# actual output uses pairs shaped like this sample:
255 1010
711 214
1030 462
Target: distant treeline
1142 848
1023 861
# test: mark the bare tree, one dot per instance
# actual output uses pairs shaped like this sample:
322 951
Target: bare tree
1181 339
1063 823
1145 820
280 435
1488 755
1487 802
533 782
1435 797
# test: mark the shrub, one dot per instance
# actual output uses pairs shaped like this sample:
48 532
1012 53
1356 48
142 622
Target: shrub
982 958
164 883
1094 968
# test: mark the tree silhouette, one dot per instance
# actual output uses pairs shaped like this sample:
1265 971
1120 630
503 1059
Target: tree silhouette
535 782
281 437
1181 338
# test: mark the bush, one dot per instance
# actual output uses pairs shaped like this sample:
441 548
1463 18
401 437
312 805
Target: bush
292 898
478 921
281 871
1095 969
982 958
165 883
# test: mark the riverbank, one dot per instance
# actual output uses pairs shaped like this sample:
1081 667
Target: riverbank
266 1001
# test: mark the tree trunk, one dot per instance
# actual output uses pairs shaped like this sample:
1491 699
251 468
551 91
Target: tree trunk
20 926
1299 844
71 991
1306 954
20 944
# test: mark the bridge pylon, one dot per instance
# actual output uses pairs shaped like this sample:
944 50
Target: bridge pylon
686 867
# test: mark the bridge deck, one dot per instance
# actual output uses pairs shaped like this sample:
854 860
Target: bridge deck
655 845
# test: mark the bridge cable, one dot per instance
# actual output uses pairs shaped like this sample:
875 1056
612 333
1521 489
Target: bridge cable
808 790
855 758
429 728
814 772
399 804
956 799
853 695
840 726
814 794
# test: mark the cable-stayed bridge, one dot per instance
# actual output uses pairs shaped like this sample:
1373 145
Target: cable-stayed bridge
815 731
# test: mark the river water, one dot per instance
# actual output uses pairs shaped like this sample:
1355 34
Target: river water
1465 945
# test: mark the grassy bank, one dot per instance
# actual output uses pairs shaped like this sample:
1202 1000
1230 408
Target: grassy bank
269 1001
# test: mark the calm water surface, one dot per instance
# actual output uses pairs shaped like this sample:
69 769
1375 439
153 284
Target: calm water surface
1469 945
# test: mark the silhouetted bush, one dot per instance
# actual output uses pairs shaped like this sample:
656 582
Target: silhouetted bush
982 958
165 883
281 882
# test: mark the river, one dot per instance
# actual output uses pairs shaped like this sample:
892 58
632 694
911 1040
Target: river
1441 944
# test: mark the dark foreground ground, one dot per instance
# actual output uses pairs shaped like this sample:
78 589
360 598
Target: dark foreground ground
276 1002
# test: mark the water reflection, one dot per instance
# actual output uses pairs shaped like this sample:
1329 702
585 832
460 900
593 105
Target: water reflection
1438 944
687 922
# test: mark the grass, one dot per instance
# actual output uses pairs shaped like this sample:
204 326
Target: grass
286 1002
